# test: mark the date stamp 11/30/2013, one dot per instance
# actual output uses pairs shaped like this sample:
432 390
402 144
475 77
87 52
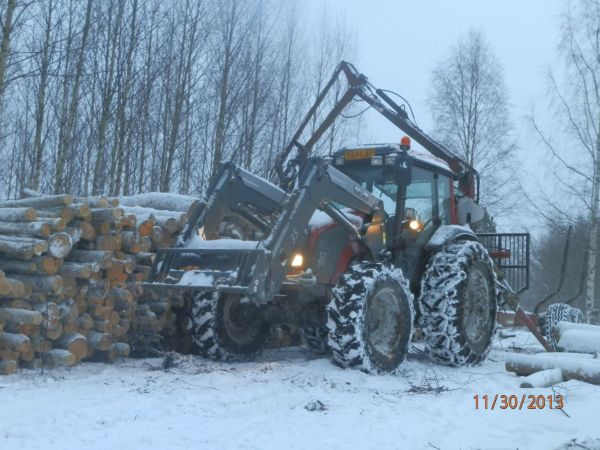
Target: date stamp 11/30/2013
518 402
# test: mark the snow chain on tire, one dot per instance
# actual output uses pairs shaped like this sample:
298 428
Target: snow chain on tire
444 300
349 338
206 326
558 312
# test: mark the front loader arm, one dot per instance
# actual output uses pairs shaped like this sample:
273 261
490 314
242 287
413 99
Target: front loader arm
259 270
232 189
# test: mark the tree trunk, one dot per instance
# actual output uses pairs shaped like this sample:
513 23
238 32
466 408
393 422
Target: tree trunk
592 305
38 148
5 46
72 115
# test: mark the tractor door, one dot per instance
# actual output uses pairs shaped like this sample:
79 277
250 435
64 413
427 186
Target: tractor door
427 205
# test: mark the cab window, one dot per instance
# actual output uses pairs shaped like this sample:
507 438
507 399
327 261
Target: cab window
418 202
443 186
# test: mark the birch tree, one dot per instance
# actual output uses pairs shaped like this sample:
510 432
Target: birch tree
575 96
469 104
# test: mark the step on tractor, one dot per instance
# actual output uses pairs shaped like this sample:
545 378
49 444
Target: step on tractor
355 250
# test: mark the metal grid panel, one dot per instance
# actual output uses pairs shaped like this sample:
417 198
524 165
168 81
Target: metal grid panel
510 251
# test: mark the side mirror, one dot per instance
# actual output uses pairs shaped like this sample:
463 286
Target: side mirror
402 170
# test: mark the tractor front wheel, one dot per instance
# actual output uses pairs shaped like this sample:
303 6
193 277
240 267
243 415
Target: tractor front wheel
226 327
370 318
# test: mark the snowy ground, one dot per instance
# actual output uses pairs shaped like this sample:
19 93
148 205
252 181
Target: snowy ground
287 399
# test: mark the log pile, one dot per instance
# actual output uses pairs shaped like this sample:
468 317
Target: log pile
70 276
577 358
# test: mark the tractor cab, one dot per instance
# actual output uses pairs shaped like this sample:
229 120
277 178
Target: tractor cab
415 204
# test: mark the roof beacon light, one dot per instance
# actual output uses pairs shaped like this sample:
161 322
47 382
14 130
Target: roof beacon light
405 143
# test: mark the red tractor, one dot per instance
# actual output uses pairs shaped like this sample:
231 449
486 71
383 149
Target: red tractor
355 250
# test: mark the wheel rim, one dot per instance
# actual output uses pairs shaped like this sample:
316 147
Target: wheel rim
477 319
384 322
241 319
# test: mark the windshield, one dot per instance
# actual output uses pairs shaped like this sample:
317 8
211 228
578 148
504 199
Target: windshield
378 180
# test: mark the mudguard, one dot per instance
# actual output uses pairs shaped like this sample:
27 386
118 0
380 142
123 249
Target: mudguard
449 233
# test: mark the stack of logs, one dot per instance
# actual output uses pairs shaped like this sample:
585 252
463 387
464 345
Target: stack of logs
70 276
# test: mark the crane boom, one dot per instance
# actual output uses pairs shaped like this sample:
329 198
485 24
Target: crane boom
359 86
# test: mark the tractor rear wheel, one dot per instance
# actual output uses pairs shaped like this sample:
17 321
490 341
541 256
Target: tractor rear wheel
226 327
458 304
370 318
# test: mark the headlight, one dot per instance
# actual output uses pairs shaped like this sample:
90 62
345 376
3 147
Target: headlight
414 225
297 260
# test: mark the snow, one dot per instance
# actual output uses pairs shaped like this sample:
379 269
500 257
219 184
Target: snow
543 378
159 200
421 154
196 242
321 219
195 278
443 234
564 326
284 400
428 158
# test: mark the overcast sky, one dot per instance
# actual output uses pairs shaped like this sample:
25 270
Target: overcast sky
399 42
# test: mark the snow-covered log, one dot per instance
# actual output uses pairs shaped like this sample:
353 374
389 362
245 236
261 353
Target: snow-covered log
543 378
40 229
578 367
21 248
101 258
95 202
565 326
8 366
74 343
18 214
40 265
30 193
99 341
78 270
108 215
20 316
45 201
15 342
51 284
59 357
579 340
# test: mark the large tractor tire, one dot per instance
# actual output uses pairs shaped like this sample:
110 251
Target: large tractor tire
458 304
226 327
370 318
558 312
